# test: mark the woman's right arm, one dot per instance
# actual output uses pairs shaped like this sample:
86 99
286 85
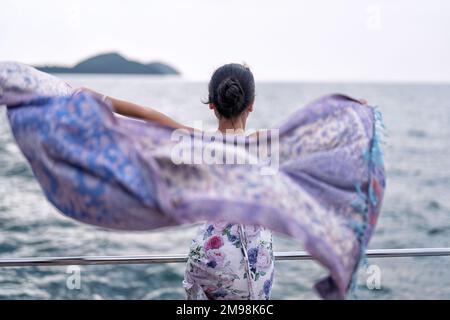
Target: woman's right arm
129 109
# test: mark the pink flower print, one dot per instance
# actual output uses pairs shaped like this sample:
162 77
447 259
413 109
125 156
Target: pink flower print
263 260
252 231
214 242
210 289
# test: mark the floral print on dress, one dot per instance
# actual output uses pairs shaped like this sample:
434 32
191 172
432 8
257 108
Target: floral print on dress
216 267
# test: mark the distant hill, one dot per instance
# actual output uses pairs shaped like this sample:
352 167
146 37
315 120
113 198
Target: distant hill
112 63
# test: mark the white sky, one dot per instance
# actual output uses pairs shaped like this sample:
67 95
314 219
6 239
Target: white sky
334 40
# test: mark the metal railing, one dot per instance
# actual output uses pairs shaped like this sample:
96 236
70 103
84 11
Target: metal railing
181 258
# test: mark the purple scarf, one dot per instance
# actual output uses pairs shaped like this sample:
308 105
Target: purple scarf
118 173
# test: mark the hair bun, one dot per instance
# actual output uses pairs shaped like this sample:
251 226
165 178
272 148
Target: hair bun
231 90
230 98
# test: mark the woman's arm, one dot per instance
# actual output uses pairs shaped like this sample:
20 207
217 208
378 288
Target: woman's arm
136 111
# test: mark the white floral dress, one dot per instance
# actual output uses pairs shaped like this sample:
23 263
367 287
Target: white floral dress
230 262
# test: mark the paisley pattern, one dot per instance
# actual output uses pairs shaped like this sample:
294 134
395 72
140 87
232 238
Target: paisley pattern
117 172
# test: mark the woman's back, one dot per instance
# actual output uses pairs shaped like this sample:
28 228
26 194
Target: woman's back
230 261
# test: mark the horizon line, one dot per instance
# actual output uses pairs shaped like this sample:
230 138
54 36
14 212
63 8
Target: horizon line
272 80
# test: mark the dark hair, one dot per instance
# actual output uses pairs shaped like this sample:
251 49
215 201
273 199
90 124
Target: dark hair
231 89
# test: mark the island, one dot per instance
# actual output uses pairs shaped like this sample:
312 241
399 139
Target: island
113 63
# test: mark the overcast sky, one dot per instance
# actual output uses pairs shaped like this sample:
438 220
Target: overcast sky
334 40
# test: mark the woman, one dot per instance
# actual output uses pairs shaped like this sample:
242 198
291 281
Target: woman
226 261
230 261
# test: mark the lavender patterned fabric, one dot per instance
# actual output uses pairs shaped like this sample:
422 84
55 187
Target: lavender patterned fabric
116 172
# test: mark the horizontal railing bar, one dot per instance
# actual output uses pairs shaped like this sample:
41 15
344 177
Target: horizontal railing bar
181 258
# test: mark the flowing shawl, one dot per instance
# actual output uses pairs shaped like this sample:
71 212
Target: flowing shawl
116 172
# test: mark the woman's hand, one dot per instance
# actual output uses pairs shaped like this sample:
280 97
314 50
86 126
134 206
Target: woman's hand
145 113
